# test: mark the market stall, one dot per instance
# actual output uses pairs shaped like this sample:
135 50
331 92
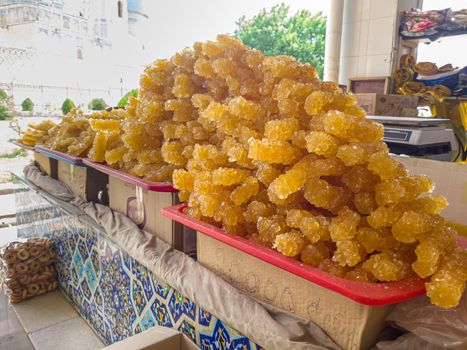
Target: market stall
250 205
415 89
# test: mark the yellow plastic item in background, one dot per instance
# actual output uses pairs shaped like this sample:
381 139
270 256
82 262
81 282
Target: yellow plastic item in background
463 113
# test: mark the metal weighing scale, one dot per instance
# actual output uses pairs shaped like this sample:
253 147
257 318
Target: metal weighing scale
431 138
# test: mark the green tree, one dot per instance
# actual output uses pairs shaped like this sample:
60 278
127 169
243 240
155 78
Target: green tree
27 105
276 33
5 113
124 100
3 95
67 106
97 104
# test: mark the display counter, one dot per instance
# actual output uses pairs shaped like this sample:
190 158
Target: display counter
111 290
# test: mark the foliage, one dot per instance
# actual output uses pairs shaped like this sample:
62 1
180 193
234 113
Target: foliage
67 106
3 95
97 104
124 100
274 32
5 113
27 105
20 152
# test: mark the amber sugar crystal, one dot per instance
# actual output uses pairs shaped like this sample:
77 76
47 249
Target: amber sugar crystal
291 162
80 135
260 147
73 135
37 133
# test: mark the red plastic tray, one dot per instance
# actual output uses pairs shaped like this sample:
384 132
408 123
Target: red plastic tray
78 161
373 294
147 185
22 145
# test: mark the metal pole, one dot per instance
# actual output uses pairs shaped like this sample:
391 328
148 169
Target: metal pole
332 52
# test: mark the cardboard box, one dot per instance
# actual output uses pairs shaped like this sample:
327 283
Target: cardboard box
144 208
155 338
389 105
85 182
47 164
450 181
350 324
409 112
363 85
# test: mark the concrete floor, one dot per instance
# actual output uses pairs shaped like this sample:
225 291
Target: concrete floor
12 334
45 322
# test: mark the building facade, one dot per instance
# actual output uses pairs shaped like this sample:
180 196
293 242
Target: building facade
51 50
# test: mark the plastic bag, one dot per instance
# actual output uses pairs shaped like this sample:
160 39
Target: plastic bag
430 327
408 341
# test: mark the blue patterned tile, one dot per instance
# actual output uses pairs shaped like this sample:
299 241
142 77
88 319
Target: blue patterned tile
117 295
147 321
141 273
242 343
67 289
77 296
162 290
138 329
85 289
108 331
82 232
137 296
161 314
90 275
73 238
74 277
127 261
219 340
204 317
83 250
87 311
78 265
180 305
98 298
115 286
98 323
91 241
95 259
188 329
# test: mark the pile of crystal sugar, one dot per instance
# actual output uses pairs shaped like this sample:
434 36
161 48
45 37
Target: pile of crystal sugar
260 147
78 134
107 126
73 135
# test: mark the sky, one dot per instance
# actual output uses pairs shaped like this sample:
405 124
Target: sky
179 23
176 24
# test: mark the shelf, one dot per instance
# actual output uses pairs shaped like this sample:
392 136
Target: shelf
374 294
456 98
431 39
77 161
125 177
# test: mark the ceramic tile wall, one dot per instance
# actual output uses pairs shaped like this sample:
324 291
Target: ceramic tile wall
114 293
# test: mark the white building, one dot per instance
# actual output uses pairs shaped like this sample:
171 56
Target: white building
80 49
